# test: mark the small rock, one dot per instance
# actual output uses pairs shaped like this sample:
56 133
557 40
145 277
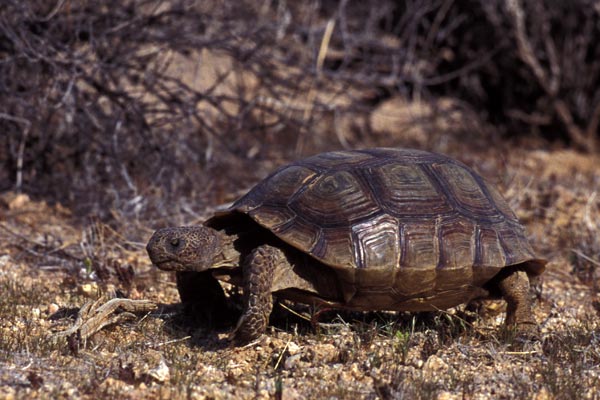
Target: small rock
4 259
36 312
18 201
447 396
356 372
89 289
291 361
52 308
435 364
293 348
161 372
543 394
146 367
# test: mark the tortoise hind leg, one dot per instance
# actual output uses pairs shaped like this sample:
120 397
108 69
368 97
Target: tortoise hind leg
515 288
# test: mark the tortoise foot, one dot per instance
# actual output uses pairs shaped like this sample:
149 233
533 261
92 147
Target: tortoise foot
250 327
523 333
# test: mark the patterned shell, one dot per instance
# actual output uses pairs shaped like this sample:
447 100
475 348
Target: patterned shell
391 210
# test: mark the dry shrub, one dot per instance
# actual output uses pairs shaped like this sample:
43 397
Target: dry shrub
96 112
101 110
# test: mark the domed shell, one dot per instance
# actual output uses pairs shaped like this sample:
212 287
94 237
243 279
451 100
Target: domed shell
391 209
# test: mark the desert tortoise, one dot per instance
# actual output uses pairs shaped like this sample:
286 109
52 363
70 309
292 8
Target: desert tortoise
375 229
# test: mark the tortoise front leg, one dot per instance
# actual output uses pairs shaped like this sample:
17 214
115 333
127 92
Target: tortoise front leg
202 296
259 270
515 289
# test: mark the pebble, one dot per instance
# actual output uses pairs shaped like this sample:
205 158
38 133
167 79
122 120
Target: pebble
18 201
543 394
4 260
52 308
291 361
161 372
293 348
435 363
89 289
447 396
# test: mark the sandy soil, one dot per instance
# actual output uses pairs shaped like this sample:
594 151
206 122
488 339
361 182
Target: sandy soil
52 263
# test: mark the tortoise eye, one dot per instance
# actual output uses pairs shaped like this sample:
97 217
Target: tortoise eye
175 242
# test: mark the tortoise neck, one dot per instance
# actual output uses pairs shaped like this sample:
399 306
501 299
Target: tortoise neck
228 256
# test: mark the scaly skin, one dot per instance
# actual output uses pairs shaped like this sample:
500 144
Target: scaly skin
259 270
515 289
195 252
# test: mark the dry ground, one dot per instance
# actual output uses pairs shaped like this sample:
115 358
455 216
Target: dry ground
52 263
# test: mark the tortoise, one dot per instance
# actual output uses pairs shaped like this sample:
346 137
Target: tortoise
374 229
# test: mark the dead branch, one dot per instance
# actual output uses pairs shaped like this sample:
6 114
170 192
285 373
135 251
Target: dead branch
549 80
96 315
124 117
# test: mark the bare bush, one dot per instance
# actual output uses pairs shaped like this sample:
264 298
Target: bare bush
558 44
99 113
527 67
93 113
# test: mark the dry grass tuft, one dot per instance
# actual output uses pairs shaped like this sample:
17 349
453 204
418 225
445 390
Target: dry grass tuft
452 354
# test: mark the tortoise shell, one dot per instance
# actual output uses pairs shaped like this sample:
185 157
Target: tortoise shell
414 221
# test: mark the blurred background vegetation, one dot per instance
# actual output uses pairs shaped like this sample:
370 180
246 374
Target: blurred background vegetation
159 109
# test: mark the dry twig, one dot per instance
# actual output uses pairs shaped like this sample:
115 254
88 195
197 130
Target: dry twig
96 315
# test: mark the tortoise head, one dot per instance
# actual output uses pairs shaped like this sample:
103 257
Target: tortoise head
184 248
